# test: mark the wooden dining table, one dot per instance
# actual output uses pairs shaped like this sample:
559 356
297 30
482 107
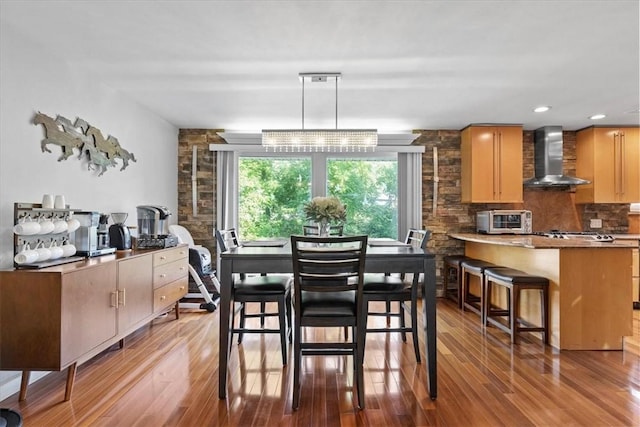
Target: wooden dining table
274 256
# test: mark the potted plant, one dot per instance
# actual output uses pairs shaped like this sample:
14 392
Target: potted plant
324 211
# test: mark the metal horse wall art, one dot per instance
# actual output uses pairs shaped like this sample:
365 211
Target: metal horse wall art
101 153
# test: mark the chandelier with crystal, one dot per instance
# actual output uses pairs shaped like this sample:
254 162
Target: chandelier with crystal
331 140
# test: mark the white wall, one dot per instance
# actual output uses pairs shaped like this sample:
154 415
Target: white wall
31 80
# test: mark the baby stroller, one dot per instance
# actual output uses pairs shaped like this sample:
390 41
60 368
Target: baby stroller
202 280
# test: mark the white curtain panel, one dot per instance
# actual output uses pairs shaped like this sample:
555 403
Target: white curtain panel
227 190
409 192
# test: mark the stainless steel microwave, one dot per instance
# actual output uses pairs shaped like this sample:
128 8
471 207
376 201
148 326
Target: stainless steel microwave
504 222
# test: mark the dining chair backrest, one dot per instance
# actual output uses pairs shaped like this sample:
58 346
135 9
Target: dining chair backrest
418 238
328 264
227 239
312 230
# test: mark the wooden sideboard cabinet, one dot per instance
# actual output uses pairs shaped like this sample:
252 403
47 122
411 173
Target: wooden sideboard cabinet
59 317
609 157
491 170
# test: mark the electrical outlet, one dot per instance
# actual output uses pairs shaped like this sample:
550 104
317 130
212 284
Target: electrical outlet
595 223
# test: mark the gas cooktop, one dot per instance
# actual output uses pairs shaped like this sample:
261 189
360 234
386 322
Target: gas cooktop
588 235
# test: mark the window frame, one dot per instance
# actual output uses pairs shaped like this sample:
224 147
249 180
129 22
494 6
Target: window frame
409 179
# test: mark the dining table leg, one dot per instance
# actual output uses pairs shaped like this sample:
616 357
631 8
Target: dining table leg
429 310
225 315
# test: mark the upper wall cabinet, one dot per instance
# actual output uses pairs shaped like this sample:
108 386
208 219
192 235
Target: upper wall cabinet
491 164
610 158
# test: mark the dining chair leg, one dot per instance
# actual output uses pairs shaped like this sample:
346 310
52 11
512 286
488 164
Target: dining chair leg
262 311
297 366
403 325
242 319
362 331
282 319
358 357
388 308
414 328
289 325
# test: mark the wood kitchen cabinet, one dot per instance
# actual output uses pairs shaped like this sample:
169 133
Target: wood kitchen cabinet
59 317
609 157
491 164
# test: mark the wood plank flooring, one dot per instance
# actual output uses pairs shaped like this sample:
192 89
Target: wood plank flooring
167 375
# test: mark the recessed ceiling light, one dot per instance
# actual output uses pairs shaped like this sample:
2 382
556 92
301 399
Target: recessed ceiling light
597 117
542 109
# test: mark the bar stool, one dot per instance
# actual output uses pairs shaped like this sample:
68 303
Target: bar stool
452 269
515 281
473 267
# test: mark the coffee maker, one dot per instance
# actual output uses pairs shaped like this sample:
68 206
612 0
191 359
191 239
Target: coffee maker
153 227
86 236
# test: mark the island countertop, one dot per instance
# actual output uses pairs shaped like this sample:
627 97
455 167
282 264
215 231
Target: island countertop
540 242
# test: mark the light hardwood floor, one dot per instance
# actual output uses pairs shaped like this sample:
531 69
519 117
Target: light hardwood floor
167 375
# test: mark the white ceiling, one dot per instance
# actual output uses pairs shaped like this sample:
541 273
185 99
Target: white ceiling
405 64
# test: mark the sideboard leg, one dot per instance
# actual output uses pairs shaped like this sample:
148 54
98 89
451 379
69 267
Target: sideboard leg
71 376
177 309
121 343
24 383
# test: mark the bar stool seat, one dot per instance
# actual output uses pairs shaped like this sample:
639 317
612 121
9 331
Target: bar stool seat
452 269
515 281
474 267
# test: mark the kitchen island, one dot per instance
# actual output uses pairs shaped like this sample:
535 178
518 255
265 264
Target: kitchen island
590 287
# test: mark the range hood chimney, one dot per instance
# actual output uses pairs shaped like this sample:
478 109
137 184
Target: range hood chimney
548 160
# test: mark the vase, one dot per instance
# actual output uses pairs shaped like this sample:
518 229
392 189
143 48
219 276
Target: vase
324 228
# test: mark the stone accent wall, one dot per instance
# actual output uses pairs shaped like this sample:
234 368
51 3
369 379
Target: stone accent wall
201 226
450 216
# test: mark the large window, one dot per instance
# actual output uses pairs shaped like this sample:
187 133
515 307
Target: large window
273 190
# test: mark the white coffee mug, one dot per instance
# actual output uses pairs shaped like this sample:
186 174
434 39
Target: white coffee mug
68 250
72 225
46 226
60 226
59 202
56 251
47 201
27 227
43 253
26 255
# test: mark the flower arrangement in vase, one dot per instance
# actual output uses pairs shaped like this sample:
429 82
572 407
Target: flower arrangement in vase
325 210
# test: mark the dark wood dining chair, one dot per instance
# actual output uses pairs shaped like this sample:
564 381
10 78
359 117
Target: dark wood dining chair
312 230
328 274
258 289
334 230
392 288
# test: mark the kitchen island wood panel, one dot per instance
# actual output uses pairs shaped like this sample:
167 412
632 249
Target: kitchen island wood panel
590 288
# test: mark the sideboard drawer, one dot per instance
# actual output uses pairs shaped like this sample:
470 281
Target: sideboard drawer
170 255
167 273
169 294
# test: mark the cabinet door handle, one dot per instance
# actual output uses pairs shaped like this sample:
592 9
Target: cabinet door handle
163 257
114 299
500 165
622 162
182 288
162 276
181 268
163 297
122 300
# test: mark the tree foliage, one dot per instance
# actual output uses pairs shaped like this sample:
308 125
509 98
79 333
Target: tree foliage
273 193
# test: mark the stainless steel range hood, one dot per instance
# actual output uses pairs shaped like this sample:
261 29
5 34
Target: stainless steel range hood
548 160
